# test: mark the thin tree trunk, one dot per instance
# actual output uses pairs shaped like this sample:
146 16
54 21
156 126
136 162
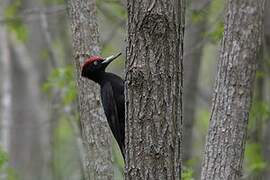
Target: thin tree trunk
6 104
27 154
233 92
153 89
95 131
21 114
192 61
29 140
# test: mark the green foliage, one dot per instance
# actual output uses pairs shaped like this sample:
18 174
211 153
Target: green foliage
260 74
4 169
66 154
197 17
116 10
255 161
11 174
203 119
259 109
201 128
217 33
216 8
14 22
215 18
62 79
64 129
187 174
61 88
3 158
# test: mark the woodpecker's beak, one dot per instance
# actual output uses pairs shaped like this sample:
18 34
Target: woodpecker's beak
109 59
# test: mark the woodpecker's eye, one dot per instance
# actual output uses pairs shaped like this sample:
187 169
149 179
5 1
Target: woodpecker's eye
95 63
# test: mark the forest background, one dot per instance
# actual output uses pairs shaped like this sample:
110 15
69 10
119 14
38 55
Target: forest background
39 125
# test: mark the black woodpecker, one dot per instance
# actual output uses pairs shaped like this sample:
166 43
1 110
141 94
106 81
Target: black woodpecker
112 94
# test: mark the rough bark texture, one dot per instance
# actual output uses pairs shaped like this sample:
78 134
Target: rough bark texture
95 131
153 89
233 92
192 61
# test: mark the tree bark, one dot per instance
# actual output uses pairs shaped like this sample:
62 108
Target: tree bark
153 89
192 61
95 131
233 91
6 106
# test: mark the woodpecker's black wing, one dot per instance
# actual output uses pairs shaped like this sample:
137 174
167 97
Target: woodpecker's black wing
112 95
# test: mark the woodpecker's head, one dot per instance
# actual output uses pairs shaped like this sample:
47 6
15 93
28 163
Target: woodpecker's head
94 67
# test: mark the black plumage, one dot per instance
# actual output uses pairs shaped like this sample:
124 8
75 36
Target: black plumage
112 94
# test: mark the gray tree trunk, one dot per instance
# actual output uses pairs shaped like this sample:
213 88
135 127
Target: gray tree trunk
153 89
27 154
96 134
22 110
5 82
192 61
233 92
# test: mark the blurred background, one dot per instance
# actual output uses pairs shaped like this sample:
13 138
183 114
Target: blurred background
39 125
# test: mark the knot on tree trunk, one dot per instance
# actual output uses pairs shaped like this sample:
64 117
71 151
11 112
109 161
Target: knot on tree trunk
137 76
154 27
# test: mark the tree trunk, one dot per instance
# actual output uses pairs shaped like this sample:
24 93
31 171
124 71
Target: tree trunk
5 106
28 118
233 92
22 115
192 61
95 131
153 89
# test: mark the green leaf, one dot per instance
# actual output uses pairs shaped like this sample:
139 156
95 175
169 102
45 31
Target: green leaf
217 32
259 109
260 74
187 174
14 22
12 9
3 158
215 21
255 161
62 80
